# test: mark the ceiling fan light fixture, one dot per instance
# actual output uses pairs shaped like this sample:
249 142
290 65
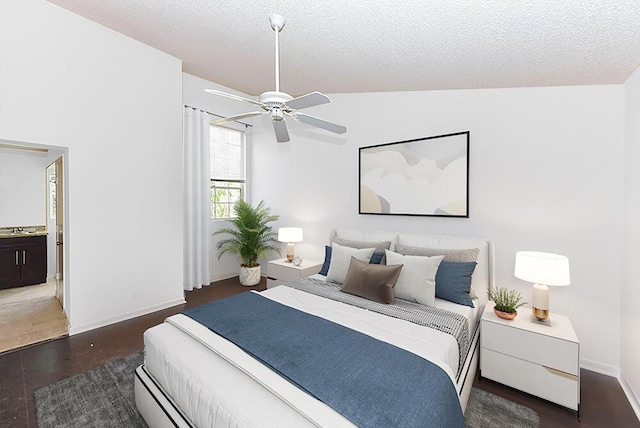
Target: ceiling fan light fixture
277 114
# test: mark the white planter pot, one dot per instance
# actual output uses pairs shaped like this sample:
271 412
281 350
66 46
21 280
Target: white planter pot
249 276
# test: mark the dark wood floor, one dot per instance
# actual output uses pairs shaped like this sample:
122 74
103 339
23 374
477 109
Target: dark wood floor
25 370
603 403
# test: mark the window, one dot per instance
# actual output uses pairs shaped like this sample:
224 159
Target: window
227 170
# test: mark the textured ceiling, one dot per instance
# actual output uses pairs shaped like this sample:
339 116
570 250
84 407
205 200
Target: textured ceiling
338 46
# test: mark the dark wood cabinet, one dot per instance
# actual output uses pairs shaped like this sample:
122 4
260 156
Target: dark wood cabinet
23 261
9 266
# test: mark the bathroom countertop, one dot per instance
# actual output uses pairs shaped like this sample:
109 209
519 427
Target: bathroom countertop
22 231
21 234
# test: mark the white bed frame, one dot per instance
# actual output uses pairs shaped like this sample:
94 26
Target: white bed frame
160 410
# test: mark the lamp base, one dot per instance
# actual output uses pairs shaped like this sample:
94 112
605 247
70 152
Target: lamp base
541 314
546 322
540 302
290 255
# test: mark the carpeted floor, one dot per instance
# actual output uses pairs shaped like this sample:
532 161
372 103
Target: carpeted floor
103 397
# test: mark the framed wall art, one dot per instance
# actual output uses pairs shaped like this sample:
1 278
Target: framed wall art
422 177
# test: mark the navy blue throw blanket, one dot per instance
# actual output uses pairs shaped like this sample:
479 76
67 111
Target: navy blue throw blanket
371 383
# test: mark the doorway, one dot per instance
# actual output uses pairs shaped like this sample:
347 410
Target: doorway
35 313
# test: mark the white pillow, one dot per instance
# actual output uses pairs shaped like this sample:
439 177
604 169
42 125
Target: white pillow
417 280
341 259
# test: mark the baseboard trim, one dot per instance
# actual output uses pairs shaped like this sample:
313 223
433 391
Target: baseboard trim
223 277
601 368
232 275
631 396
126 316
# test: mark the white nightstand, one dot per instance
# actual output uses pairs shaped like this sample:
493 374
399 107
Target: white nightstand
542 360
281 271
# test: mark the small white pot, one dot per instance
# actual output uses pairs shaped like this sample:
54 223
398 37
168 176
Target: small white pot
249 276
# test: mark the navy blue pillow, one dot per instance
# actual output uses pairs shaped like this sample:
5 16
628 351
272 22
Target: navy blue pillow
376 258
327 261
453 282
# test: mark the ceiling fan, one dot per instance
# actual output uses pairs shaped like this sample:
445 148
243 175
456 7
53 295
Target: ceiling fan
280 104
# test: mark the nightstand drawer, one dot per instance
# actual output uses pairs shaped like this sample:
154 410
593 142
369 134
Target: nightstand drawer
280 271
552 385
531 346
284 273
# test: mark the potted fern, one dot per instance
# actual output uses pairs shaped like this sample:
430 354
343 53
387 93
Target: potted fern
250 238
506 302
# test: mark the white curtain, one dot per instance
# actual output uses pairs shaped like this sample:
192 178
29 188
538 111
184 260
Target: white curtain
197 210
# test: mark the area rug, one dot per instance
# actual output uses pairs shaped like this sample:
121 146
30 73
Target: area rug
103 397
486 410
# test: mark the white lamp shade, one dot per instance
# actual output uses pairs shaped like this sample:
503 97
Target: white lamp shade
290 234
542 268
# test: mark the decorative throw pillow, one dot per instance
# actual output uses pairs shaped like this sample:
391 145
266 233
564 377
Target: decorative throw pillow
327 261
341 258
380 247
453 282
376 258
450 255
373 282
416 282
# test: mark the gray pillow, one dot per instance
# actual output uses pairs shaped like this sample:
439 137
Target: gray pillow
373 282
379 246
450 255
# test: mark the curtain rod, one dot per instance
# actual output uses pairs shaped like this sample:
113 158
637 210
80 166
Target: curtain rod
217 115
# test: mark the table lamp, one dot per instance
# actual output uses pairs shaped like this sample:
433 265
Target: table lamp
542 269
290 235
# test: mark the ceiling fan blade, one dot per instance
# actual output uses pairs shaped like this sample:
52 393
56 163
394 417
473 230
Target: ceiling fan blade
235 97
308 100
320 123
236 117
282 134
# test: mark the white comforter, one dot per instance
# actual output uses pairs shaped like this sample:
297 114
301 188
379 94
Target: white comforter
229 388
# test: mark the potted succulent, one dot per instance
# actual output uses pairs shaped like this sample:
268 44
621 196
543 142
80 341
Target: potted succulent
251 238
506 302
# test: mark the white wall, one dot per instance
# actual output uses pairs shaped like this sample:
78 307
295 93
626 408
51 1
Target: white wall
22 188
546 173
115 104
193 95
630 316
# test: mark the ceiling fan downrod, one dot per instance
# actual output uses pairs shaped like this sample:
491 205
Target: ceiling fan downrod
277 24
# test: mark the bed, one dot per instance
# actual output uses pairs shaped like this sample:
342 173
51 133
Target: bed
193 376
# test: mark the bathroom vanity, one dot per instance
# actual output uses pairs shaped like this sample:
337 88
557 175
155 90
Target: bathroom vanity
23 259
